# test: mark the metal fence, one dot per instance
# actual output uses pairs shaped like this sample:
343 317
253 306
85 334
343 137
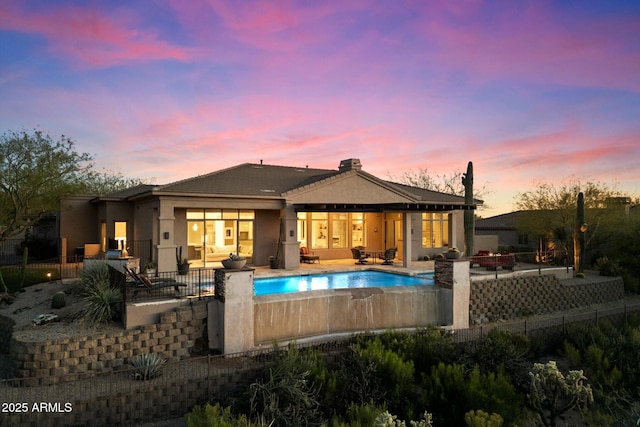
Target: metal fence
197 283
496 264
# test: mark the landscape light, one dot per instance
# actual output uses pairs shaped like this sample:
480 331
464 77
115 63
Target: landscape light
49 275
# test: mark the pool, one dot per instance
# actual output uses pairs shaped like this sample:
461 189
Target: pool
346 280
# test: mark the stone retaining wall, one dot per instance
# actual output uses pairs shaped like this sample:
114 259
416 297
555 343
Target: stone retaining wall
177 334
509 298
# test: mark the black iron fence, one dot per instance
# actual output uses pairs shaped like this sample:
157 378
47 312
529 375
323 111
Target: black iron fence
197 283
504 262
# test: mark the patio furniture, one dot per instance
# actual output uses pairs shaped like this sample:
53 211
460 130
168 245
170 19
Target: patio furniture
361 256
305 256
140 281
388 256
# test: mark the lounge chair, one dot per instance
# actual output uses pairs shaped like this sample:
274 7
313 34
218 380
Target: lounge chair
140 281
305 256
388 256
361 256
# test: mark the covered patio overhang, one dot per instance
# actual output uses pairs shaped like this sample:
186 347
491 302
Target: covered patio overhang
380 207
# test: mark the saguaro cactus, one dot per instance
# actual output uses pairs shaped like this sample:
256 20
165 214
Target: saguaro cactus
578 237
467 181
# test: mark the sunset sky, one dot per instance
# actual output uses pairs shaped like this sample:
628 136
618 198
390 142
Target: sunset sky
529 91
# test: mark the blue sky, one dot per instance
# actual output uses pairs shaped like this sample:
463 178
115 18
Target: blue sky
530 91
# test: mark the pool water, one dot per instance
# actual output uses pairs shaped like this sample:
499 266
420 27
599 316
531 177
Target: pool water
347 280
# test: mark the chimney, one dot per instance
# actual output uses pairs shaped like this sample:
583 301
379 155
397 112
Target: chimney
350 164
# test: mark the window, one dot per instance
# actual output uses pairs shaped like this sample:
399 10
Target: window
319 231
302 229
121 234
358 236
435 230
339 230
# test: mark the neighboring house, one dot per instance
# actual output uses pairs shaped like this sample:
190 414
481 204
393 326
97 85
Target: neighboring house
260 211
505 228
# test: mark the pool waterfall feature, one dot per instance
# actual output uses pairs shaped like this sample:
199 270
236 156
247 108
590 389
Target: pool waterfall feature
238 321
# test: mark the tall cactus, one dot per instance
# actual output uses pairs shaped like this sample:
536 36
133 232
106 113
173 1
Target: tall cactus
467 181
578 239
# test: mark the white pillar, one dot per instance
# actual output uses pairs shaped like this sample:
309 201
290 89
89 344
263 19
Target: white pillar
407 239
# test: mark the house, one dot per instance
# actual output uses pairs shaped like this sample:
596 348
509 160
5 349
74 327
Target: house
261 211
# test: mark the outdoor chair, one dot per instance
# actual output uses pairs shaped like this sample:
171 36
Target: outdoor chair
140 281
361 256
388 256
305 256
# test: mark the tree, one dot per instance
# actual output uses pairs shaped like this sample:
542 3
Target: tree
35 172
105 182
450 184
552 212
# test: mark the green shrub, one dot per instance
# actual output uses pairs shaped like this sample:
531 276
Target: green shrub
216 416
94 274
608 267
286 396
392 376
572 355
103 302
493 392
480 418
445 393
146 366
500 348
58 300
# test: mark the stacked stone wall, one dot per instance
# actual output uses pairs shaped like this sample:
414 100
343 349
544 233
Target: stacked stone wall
175 337
509 298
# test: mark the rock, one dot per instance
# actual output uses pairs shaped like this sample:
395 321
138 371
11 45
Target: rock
45 318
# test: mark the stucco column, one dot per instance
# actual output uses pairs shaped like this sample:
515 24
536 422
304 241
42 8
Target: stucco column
407 238
452 278
166 245
289 238
237 331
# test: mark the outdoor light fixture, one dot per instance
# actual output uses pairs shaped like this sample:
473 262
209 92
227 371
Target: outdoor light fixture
49 275
583 227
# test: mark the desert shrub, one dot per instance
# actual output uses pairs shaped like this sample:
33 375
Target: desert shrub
481 418
445 392
216 416
58 300
94 274
425 348
493 392
286 396
358 415
608 267
501 349
600 369
572 355
392 376
146 366
103 303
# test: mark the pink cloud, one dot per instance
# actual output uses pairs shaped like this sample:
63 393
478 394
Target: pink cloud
92 37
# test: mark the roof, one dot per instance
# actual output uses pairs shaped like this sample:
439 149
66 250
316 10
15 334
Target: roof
507 221
271 181
249 179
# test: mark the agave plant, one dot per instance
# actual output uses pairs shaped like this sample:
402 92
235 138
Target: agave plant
92 274
103 302
146 366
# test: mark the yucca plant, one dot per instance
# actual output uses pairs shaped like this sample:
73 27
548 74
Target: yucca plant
103 302
146 366
92 274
